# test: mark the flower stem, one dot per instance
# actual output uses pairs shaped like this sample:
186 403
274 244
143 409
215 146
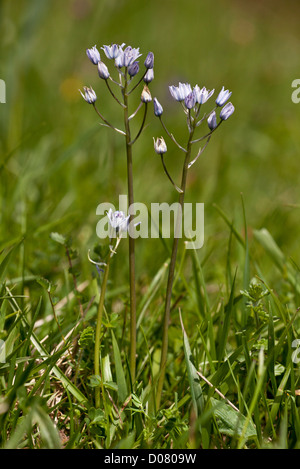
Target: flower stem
98 331
132 363
166 320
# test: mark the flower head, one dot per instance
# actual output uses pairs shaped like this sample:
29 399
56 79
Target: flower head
127 57
180 92
227 111
223 96
202 95
158 109
93 54
88 95
112 51
160 145
118 220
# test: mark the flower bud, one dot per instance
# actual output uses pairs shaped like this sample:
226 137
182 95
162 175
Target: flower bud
158 109
212 121
103 70
226 111
133 69
89 95
148 77
149 62
160 146
93 54
146 95
190 100
223 96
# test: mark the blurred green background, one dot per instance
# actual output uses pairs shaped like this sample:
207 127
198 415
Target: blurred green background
57 163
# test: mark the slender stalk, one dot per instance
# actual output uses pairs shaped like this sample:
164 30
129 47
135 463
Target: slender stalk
132 359
98 332
166 321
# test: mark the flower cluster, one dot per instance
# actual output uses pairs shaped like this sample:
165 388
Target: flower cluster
127 66
192 99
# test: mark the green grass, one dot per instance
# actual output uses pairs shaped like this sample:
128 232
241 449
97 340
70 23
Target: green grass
231 379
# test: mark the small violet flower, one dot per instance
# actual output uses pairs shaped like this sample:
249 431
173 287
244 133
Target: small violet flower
223 96
127 57
113 51
89 95
180 92
202 95
158 109
93 54
227 111
160 145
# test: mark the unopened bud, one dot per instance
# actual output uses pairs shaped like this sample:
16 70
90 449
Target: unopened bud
212 121
158 109
133 69
149 76
89 95
226 111
149 62
103 71
93 54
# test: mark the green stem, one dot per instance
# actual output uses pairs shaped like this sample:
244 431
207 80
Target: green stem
132 361
98 332
166 321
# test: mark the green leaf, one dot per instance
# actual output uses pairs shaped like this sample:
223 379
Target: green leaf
121 381
195 386
229 421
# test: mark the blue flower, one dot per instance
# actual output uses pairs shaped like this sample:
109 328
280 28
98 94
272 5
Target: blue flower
112 51
127 57
180 92
202 95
